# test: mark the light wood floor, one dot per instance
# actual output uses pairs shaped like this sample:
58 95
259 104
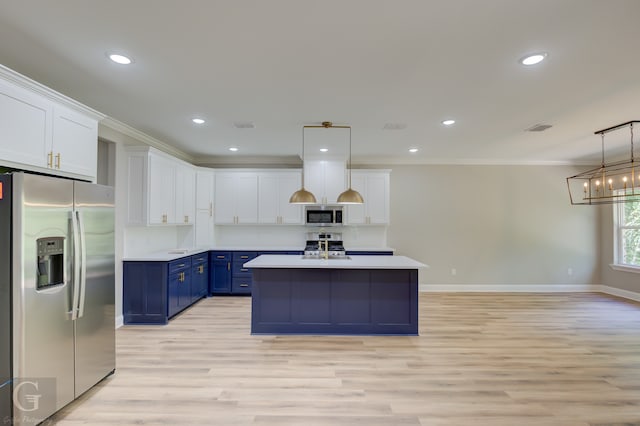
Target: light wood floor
481 359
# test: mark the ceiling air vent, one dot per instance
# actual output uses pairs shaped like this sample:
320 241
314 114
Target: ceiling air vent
538 128
395 126
244 125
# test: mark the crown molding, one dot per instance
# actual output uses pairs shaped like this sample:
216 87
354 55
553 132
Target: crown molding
228 161
364 161
144 138
25 82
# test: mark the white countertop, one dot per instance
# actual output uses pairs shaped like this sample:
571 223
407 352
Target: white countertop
169 255
164 255
355 262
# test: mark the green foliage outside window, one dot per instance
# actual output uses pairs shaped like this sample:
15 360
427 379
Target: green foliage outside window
630 233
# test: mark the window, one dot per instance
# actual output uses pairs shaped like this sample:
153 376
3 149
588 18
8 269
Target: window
627 237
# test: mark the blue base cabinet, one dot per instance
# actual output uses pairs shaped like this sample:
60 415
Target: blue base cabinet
219 272
335 301
199 277
153 292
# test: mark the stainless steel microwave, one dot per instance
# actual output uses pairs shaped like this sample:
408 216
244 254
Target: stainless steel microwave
323 215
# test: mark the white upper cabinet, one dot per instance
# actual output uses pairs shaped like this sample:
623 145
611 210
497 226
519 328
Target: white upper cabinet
185 197
204 226
325 179
40 134
274 190
75 142
25 126
161 189
236 197
373 185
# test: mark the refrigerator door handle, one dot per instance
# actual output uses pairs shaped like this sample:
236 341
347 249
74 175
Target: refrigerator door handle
76 265
83 265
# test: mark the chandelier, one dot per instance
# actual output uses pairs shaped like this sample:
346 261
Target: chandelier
617 182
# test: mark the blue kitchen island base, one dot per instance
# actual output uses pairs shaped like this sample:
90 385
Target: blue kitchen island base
335 301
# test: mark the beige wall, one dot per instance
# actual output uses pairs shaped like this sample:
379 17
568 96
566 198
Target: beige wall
504 225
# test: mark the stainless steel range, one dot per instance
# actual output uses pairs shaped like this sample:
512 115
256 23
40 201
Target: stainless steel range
324 244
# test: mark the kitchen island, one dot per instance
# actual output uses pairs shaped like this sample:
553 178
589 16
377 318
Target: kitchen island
361 295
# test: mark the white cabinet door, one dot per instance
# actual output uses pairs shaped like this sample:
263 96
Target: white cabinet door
225 194
204 190
377 201
25 126
236 198
185 195
373 185
204 226
268 198
75 142
161 191
325 179
356 213
247 198
289 182
274 190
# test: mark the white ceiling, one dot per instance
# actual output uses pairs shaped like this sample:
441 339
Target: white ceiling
282 64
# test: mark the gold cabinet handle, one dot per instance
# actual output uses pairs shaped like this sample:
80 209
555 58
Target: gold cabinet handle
228 266
244 257
244 285
186 219
243 269
58 161
50 159
210 209
201 269
220 257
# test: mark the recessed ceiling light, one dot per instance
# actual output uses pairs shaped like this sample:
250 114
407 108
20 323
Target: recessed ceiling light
536 58
120 59
324 149
448 122
198 120
412 150
233 148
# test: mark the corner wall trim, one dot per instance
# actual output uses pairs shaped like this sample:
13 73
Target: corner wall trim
119 321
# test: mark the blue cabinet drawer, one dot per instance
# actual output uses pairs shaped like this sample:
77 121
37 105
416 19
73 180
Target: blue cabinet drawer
244 256
198 259
220 256
240 285
179 265
239 270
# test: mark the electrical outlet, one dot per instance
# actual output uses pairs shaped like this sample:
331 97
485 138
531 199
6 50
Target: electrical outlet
570 271
453 271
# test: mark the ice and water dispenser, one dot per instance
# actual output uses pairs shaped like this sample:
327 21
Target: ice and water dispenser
50 262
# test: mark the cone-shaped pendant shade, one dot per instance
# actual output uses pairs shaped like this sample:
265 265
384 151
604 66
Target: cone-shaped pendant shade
350 196
302 196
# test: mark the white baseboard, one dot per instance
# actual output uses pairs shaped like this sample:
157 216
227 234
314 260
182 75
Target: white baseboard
529 288
620 292
119 321
509 288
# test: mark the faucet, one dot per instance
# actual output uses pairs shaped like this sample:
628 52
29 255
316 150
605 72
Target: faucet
325 253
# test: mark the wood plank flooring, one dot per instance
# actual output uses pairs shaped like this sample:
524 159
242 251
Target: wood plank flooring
481 359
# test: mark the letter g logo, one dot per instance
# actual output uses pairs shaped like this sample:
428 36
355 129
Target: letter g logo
32 399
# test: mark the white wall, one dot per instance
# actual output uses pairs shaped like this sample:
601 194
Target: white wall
504 225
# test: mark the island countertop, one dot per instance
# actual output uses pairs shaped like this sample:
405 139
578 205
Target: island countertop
354 262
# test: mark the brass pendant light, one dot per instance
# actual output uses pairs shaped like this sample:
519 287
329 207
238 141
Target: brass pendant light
350 196
302 196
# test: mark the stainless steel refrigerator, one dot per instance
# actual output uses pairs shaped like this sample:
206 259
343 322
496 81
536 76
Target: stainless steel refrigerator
57 325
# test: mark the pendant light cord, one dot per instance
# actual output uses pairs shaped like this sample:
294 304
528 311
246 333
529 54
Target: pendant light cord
349 165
